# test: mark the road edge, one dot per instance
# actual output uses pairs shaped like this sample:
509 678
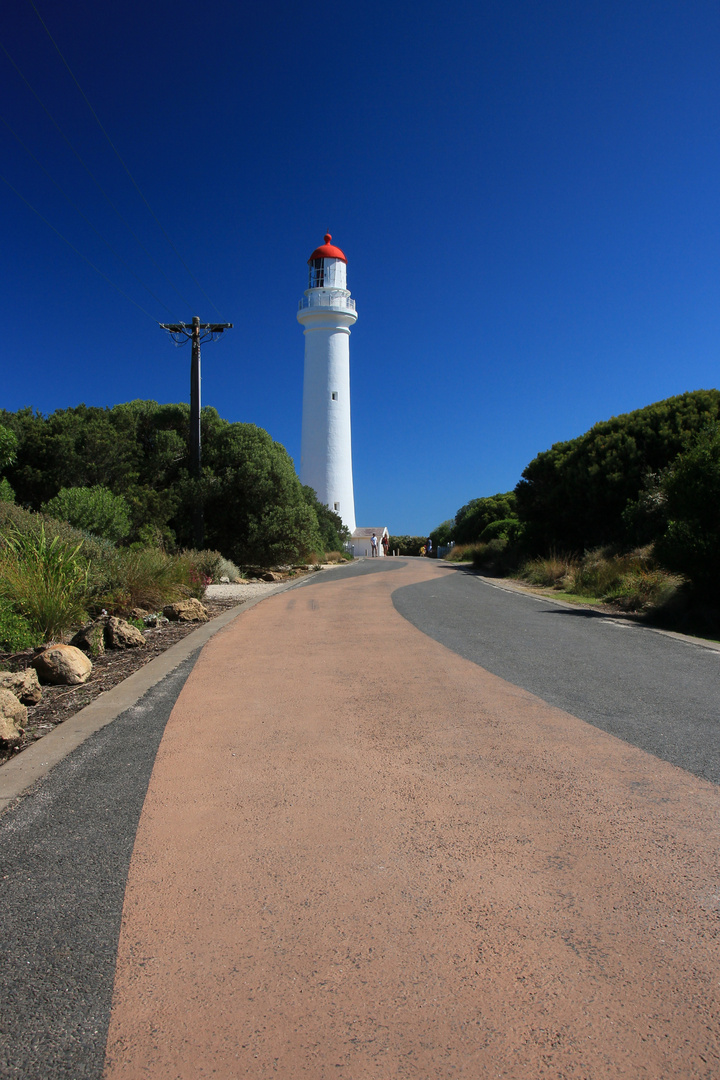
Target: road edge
22 772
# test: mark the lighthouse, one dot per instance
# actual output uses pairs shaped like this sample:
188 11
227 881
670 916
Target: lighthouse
326 313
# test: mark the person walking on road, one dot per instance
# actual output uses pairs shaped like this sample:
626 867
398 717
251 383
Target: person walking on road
385 543
373 545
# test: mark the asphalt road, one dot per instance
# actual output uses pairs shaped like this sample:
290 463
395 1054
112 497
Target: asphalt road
651 689
65 849
64 855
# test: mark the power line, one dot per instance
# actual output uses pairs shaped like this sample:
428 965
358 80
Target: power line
93 178
84 257
118 156
85 219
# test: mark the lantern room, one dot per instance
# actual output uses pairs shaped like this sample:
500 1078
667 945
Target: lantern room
328 267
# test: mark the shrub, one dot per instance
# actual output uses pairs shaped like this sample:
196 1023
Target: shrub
407 545
229 570
207 564
691 542
555 571
505 528
475 516
44 581
92 509
146 578
15 631
6 492
334 557
460 553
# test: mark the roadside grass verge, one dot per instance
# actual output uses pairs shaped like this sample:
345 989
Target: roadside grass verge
632 581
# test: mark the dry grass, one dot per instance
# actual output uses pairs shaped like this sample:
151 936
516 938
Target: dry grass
632 580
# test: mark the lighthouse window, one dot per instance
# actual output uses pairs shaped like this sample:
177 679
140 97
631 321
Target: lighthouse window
334 395
337 506
317 276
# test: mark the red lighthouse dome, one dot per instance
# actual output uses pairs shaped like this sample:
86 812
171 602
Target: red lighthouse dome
327 251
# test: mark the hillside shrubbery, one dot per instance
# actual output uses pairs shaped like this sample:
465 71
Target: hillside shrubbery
632 507
52 577
574 496
124 473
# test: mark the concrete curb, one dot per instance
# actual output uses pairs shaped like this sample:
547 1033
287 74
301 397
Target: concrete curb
21 772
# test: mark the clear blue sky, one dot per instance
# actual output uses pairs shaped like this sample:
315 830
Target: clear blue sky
527 193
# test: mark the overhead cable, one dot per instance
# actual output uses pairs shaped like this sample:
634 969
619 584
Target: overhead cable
118 156
85 219
94 179
77 252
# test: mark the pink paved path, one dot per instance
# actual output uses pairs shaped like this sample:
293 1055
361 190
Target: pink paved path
363 856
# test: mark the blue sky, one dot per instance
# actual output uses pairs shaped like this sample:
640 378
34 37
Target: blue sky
526 191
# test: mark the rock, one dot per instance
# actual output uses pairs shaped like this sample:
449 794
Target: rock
224 580
23 684
186 611
91 638
268 575
120 634
139 612
13 717
64 664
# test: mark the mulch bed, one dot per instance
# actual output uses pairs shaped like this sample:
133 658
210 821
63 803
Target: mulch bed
61 702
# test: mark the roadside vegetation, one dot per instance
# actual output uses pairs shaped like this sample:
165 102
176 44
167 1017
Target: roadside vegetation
97 509
627 514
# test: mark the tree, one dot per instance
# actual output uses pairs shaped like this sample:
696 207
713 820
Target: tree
472 518
691 542
8 447
255 507
573 495
334 534
94 510
442 534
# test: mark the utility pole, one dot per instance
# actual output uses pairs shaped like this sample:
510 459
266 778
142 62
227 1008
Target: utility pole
196 332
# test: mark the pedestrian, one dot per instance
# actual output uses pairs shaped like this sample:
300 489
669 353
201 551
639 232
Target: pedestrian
385 543
428 547
373 545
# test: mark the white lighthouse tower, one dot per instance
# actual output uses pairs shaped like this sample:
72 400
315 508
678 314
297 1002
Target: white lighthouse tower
327 312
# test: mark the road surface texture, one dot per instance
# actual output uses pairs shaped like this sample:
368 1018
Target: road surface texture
362 854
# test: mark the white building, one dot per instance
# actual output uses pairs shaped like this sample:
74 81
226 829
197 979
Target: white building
361 541
326 313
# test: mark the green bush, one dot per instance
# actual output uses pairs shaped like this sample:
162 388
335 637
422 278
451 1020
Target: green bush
574 495
475 516
94 510
146 578
44 581
504 528
631 580
461 553
691 542
443 534
407 545
15 631
6 492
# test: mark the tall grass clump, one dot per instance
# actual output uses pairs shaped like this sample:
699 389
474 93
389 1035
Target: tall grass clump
147 578
554 571
43 581
631 580
462 552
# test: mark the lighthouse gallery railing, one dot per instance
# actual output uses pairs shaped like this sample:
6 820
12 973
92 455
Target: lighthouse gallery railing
328 300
